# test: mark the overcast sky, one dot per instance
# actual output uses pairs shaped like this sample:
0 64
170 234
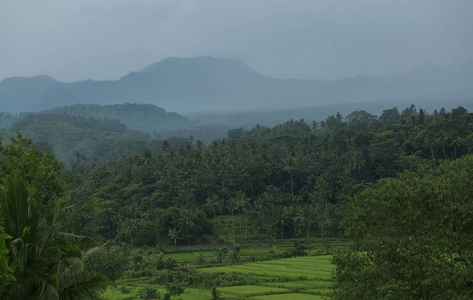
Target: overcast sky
106 39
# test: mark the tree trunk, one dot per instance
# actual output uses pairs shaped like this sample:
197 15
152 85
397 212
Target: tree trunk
292 187
321 227
215 218
246 225
432 152
233 225
239 218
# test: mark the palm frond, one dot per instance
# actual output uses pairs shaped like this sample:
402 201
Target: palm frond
80 240
90 287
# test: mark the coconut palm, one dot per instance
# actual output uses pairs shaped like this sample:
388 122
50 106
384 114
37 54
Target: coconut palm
306 215
214 205
187 220
47 263
129 227
232 207
174 235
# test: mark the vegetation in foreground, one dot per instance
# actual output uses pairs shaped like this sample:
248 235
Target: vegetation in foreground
412 237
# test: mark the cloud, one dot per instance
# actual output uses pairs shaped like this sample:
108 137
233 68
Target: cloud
72 40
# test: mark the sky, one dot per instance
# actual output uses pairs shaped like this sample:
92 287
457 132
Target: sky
72 40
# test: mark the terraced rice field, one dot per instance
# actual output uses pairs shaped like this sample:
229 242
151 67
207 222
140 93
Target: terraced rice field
312 267
302 278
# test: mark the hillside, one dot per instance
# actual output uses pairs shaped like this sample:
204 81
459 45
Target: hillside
101 139
145 117
212 84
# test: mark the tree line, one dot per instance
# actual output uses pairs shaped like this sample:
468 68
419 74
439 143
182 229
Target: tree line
296 179
291 180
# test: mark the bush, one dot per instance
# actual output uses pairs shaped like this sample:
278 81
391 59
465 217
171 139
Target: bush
149 293
124 290
215 294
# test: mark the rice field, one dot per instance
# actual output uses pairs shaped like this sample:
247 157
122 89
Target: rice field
310 267
302 278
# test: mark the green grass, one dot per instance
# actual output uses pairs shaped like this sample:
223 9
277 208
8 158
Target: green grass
307 277
251 290
312 267
189 257
302 284
290 296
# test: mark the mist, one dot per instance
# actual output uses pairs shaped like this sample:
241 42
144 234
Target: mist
77 40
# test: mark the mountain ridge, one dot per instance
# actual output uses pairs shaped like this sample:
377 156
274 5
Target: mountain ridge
209 83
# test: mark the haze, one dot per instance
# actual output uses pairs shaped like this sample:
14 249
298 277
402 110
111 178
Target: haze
76 40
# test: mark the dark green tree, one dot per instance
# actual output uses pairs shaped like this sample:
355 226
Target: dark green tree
411 237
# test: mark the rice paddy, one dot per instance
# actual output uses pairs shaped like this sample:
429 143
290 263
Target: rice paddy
302 278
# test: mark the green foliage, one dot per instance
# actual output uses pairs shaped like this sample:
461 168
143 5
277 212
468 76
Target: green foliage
281 182
70 134
45 261
175 288
124 290
168 263
412 237
113 262
145 117
149 293
5 270
42 170
220 254
215 294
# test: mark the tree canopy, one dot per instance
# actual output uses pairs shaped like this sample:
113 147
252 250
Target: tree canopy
39 260
412 237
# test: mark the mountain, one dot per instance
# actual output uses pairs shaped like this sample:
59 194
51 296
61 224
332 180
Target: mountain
16 91
213 84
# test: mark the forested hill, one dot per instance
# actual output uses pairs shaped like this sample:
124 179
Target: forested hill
145 117
291 180
68 135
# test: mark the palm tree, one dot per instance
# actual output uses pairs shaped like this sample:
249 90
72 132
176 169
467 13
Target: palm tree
319 199
240 201
47 263
456 141
110 218
214 205
442 139
232 207
129 227
281 216
243 204
187 221
469 142
358 162
306 216
174 235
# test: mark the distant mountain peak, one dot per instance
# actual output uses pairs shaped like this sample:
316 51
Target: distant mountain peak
198 64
